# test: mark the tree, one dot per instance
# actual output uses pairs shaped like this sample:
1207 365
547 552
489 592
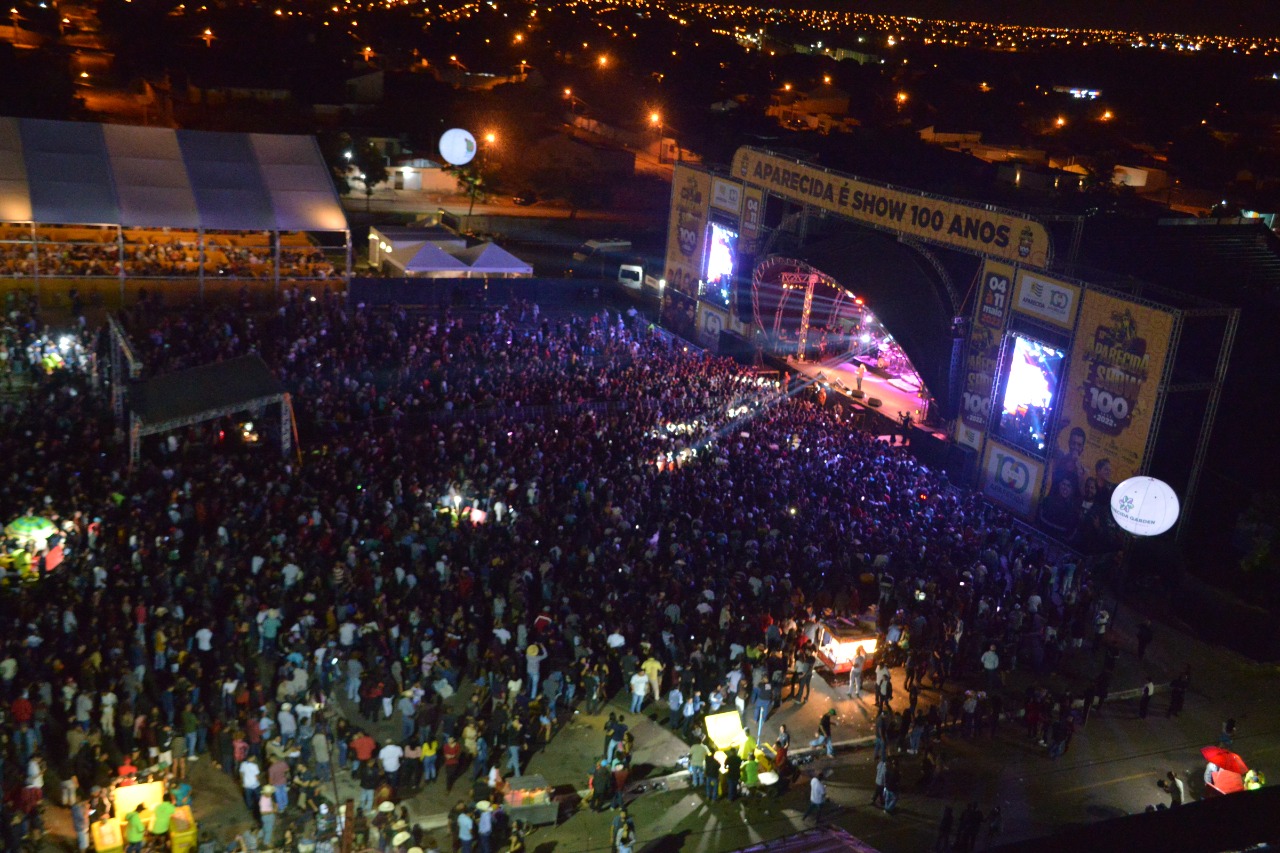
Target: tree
371 166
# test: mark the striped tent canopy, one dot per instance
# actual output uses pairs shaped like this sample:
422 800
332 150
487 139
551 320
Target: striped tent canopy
60 172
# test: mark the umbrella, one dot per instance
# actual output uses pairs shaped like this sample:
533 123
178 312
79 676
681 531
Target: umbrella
31 527
1225 759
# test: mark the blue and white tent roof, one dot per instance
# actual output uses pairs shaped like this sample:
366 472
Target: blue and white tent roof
145 177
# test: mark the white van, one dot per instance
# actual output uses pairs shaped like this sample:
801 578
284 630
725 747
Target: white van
593 248
631 276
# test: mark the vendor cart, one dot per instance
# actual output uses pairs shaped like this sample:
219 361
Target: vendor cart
108 834
838 640
528 798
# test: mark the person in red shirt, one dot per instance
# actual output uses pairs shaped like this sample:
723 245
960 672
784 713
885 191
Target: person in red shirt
21 709
126 773
362 747
452 751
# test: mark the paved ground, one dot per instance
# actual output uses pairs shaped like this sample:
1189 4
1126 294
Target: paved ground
1110 769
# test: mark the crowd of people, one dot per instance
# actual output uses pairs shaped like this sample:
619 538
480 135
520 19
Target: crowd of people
84 252
466 580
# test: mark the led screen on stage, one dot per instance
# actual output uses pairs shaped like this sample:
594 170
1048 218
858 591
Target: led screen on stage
722 252
1033 372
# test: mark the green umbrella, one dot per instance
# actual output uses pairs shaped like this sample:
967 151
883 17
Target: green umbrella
31 527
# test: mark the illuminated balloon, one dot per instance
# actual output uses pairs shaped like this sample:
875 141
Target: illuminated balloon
1144 506
457 147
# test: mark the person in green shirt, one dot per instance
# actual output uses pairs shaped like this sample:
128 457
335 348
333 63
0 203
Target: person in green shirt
135 830
164 813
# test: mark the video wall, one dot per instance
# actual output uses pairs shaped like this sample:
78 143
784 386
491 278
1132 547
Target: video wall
721 263
1032 376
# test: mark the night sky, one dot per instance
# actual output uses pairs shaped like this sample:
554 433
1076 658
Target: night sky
1224 17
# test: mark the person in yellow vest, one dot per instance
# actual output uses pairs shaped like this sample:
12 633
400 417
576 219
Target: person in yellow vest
161 819
135 830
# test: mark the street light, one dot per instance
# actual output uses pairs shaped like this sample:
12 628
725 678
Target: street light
655 121
574 101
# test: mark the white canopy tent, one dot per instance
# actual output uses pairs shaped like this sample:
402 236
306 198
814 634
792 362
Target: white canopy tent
491 260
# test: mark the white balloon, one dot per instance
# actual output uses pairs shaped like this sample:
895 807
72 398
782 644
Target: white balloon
1144 506
457 147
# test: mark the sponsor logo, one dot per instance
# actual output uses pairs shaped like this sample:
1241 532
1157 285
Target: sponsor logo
726 196
1013 474
1046 299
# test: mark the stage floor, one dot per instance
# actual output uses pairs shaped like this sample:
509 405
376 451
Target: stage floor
893 398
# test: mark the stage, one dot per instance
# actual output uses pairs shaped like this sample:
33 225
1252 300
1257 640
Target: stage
895 394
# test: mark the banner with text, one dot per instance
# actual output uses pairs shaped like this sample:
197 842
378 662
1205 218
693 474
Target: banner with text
687 228
752 218
1108 400
1047 299
961 225
990 311
1012 479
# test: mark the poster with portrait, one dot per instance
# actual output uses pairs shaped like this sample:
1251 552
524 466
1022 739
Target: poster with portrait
1106 410
687 229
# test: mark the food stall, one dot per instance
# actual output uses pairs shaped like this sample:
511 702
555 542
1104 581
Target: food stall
837 641
528 798
726 734
108 834
1226 773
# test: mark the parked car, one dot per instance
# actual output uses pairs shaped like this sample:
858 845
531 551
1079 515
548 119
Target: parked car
526 198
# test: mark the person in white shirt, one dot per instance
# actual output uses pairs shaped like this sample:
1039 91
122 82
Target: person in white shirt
639 690
390 756
991 666
817 798
250 780
347 634
204 640
107 703
503 635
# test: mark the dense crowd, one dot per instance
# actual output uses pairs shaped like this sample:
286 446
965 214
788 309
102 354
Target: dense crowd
265 612
146 254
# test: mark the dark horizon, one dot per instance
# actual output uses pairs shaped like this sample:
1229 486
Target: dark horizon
1243 18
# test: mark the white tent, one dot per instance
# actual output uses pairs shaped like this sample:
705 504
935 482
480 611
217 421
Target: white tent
431 260
489 259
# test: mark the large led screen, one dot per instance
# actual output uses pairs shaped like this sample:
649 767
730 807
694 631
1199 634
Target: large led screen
722 252
1034 370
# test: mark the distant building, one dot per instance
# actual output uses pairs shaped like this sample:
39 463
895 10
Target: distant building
949 138
970 142
824 109
1141 178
